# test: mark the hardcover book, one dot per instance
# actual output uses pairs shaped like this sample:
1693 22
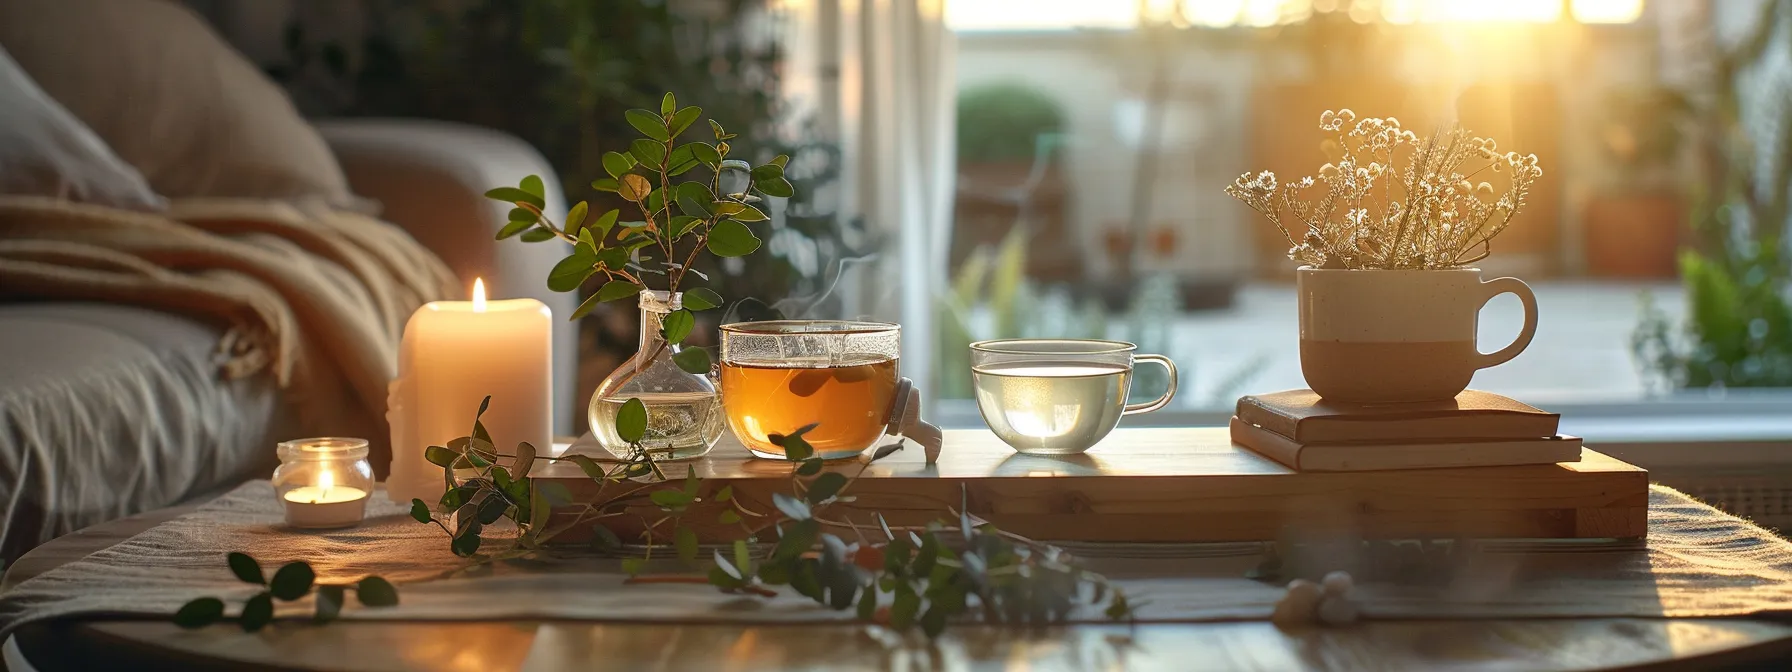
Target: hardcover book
1378 455
1304 417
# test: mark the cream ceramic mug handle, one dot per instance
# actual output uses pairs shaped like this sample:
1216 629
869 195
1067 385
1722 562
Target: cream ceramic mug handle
1496 287
1170 393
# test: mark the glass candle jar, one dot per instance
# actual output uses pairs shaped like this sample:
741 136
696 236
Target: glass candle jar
324 482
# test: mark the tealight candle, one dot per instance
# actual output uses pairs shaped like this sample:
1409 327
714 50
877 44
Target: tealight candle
324 482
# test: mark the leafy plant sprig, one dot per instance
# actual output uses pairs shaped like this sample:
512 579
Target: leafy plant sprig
292 581
908 577
680 219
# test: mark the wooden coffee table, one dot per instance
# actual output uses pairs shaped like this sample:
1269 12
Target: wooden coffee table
1538 644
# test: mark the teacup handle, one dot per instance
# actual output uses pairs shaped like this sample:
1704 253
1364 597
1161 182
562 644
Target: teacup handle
1496 287
1169 394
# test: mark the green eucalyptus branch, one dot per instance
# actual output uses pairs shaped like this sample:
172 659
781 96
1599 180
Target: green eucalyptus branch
292 581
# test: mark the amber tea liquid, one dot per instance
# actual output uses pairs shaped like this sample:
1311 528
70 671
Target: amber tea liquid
850 398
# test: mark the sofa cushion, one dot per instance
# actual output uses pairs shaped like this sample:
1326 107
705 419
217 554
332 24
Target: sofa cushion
46 151
172 98
112 410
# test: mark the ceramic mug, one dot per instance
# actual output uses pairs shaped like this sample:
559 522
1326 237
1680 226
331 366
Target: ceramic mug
1371 336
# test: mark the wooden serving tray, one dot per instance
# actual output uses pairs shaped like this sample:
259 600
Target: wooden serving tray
1181 485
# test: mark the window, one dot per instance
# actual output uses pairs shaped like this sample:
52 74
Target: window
1095 140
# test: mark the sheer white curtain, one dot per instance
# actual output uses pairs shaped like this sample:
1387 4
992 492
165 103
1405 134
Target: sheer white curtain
878 75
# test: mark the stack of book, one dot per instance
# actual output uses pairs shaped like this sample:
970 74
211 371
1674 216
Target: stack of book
1476 429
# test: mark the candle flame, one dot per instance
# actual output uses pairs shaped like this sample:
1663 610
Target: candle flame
325 481
478 295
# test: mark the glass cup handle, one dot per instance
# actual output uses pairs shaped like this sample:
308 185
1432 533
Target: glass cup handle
1169 394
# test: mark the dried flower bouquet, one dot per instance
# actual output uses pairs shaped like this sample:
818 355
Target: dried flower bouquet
1390 201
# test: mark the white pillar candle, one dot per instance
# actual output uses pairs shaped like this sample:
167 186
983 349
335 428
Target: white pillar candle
454 354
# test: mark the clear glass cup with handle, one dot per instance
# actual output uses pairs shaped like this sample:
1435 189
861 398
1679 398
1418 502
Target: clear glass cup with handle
1058 396
780 376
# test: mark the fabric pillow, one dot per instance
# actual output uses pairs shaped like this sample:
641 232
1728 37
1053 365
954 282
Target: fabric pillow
46 151
171 98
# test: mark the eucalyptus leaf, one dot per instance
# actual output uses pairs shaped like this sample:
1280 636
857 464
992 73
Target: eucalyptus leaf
258 612
778 187
618 289
631 421
693 361
886 451
792 507
466 544
701 298
613 258
534 186
730 238
676 325
525 459
245 568
749 213
374 591
684 118
656 202
727 208
706 153
575 217
648 123
826 486
572 271
683 224
604 223
199 613
768 172
537 235
634 188
523 215
605 184
809 467
617 164
492 509
684 540
513 228
694 199
796 448
420 511
292 581
515 195
329 603
649 153
587 243
681 159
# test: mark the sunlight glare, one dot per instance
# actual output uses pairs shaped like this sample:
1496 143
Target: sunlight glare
1606 11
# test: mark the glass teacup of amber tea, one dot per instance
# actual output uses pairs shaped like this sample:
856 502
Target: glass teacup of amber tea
780 376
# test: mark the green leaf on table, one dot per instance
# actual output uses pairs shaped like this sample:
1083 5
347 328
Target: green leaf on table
633 566
605 184
575 217
292 581
199 613
537 235
604 223
693 361
791 506
257 613
572 271
534 186
618 289
466 544
677 324
420 511
633 188
513 228
649 153
826 486
329 603
245 568
778 187
768 172
374 591
684 118
617 164
731 238
685 541
702 298
706 153
809 467
515 195
648 123
631 421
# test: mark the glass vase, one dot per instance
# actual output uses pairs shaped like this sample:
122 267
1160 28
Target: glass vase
684 416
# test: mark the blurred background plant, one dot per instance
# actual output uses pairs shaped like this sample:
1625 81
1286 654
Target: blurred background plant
560 74
1737 278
